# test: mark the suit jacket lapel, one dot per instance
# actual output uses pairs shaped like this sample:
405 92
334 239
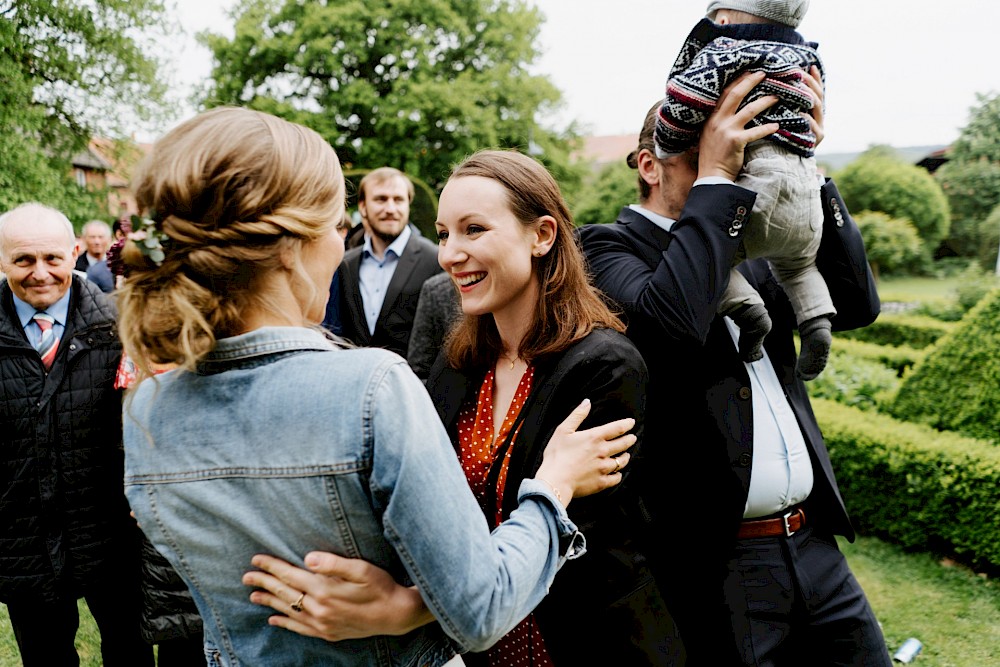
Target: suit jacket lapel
651 238
406 263
351 290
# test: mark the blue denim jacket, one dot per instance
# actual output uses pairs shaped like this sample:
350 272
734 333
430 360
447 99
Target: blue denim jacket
283 443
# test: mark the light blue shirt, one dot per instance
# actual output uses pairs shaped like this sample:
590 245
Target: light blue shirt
59 311
374 274
781 474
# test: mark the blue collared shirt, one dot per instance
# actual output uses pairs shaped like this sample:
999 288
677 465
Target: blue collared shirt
782 473
374 274
26 314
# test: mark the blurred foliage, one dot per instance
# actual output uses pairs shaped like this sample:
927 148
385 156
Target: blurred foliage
891 243
602 198
413 84
855 381
70 70
971 180
877 181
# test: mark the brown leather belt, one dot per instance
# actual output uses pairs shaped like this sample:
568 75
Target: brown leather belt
788 524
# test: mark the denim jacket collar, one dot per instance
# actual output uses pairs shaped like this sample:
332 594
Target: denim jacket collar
271 342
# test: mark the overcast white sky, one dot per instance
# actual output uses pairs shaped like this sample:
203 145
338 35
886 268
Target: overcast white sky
898 73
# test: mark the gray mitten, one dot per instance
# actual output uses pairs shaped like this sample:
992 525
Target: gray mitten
754 324
815 338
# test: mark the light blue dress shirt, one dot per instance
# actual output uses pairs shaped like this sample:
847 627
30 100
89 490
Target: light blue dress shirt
26 313
374 274
781 474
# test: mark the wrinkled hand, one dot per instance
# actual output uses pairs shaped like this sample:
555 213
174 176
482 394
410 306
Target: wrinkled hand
725 135
345 598
814 81
581 463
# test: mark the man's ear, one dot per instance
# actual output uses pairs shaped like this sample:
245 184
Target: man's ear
545 235
647 166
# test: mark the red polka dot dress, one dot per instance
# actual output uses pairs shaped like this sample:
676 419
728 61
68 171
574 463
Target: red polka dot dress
523 646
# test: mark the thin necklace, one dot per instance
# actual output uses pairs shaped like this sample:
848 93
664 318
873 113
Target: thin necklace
512 360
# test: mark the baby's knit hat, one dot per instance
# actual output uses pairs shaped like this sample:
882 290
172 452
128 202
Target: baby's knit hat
787 12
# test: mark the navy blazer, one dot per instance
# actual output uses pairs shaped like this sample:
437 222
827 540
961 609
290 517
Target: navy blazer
392 329
699 426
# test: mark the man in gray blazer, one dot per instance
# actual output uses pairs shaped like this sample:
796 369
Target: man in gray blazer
381 279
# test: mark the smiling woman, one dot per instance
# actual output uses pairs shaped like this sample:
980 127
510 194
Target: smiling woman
535 340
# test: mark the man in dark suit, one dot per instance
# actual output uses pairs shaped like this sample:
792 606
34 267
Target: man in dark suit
380 281
740 483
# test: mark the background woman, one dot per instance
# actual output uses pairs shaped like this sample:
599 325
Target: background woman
534 341
268 437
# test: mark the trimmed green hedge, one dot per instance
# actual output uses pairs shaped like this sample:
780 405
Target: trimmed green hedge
897 358
957 385
855 380
915 486
917 331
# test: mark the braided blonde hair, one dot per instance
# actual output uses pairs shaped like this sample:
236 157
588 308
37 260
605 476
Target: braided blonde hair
233 193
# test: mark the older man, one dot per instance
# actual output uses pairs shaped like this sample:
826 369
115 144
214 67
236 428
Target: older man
742 488
380 281
96 237
65 530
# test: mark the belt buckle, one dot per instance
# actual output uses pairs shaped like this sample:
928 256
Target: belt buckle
788 528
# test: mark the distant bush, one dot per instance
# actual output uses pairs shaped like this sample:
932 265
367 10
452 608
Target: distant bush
853 380
599 202
891 243
914 486
956 386
916 331
898 358
973 285
876 181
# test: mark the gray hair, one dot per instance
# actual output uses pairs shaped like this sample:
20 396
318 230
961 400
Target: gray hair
34 209
105 227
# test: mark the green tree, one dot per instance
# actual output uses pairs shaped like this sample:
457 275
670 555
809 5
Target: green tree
413 84
876 181
70 70
612 187
890 243
971 178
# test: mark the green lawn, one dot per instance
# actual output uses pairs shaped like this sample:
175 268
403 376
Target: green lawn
917 288
953 611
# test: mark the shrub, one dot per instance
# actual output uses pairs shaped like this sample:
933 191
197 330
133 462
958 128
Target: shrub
890 243
973 285
917 331
878 182
914 486
957 385
613 187
898 358
856 381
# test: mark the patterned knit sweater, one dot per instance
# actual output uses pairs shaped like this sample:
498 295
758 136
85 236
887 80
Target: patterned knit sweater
715 55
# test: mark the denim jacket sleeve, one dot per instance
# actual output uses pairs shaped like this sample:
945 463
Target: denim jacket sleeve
477 584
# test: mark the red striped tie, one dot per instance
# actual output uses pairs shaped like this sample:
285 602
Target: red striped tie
49 342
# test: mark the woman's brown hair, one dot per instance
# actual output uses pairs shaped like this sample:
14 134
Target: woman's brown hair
233 194
568 306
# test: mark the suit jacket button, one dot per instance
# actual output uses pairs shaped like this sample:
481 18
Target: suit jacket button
741 211
745 459
744 393
733 231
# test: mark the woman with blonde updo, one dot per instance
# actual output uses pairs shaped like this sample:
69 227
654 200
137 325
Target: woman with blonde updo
269 437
